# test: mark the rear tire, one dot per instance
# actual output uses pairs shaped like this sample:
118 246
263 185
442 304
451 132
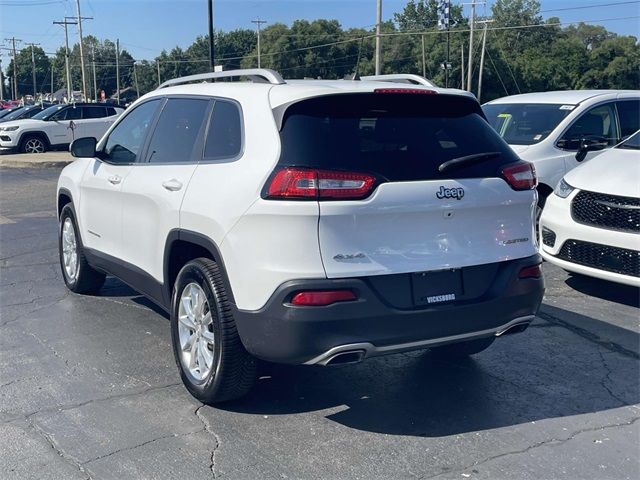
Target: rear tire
33 144
213 363
462 349
78 275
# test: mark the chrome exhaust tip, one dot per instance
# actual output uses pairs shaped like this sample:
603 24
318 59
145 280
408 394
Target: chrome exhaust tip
345 358
517 328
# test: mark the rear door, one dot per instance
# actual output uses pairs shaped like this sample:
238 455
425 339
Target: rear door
153 191
417 218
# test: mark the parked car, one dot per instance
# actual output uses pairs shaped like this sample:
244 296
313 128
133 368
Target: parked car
6 111
558 130
57 126
20 113
305 222
591 225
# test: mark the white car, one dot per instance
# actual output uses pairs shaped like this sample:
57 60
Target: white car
305 222
591 225
558 130
57 126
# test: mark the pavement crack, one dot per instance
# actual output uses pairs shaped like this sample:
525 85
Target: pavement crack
554 441
207 428
133 447
587 335
59 451
606 378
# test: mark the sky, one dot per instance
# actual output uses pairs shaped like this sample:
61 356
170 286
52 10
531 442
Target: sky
146 27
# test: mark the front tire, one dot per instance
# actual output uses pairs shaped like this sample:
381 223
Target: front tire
213 363
78 275
33 144
462 349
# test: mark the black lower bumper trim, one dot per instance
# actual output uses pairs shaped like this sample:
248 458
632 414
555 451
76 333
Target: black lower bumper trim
281 332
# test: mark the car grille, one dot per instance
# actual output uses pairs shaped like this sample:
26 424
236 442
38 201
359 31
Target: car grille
607 211
602 257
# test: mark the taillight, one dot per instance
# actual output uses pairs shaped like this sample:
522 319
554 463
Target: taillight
292 183
533 271
520 176
406 90
322 298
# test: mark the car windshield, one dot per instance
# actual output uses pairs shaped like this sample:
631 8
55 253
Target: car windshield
47 112
633 142
14 114
525 123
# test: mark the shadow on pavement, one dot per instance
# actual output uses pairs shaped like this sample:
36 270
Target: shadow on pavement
614 292
546 372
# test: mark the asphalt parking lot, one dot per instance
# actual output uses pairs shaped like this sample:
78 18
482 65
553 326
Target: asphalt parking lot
89 388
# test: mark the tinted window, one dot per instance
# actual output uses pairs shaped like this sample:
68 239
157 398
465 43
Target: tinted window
398 137
599 123
93 112
48 112
224 138
15 113
175 136
632 142
111 111
126 139
32 111
69 113
525 123
629 115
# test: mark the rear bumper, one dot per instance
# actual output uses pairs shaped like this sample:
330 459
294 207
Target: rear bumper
284 333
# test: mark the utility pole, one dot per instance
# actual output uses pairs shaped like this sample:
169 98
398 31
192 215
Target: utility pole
1 82
15 68
158 65
51 97
462 66
378 31
258 23
211 46
135 79
472 21
118 70
484 48
424 62
33 68
66 56
84 82
93 61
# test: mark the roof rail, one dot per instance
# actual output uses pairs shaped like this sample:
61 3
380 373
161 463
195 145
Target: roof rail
259 75
400 78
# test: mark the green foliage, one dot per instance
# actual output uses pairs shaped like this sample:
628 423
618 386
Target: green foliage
524 53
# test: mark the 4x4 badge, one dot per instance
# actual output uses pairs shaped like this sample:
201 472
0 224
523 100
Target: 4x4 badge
456 193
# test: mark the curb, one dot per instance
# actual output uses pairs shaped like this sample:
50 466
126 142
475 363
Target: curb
38 164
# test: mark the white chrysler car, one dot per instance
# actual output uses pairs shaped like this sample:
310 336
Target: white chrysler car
558 130
57 126
591 225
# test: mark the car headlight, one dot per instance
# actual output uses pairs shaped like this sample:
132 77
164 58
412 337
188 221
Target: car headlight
563 190
9 129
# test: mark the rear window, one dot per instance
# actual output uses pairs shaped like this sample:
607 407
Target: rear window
399 137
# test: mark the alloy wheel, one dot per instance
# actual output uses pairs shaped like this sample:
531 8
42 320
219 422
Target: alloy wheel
34 145
195 329
69 250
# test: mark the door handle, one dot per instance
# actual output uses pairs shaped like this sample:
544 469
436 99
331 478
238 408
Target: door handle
114 179
172 185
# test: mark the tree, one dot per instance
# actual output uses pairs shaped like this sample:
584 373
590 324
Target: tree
25 71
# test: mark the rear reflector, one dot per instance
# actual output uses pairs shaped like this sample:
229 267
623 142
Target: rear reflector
534 271
322 298
406 90
292 183
520 175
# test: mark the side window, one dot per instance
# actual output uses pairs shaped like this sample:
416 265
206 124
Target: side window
111 111
629 115
74 113
224 138
175 136
126 139
598 123
60 115
93 112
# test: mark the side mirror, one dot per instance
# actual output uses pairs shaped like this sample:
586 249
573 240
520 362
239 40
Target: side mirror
589 145
83 147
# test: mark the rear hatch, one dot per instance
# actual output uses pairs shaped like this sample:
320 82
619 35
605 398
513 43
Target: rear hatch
373 162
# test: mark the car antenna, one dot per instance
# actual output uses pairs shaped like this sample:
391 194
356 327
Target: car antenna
356 75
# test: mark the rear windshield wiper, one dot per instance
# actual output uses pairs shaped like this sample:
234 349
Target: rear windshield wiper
467 160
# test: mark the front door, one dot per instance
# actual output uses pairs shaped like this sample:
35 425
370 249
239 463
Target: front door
101 200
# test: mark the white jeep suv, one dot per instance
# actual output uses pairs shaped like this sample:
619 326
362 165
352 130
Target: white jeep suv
305 222
57 126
